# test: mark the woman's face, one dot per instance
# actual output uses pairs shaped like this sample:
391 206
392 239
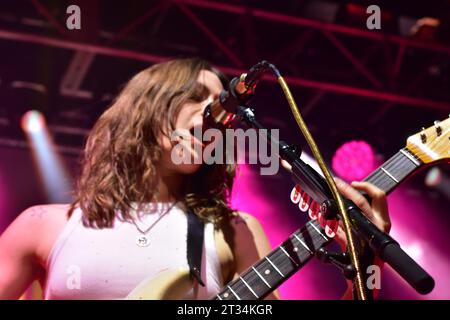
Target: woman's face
186 145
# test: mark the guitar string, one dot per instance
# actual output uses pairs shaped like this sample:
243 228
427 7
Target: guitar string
253 280
274 256
393 165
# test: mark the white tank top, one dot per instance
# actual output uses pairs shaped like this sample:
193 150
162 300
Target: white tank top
88 263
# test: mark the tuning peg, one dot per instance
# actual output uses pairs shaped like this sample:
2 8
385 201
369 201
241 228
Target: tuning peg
438 128
423 136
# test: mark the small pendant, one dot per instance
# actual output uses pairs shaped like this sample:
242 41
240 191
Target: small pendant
142 241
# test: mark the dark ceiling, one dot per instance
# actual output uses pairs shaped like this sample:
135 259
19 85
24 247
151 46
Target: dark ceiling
351 82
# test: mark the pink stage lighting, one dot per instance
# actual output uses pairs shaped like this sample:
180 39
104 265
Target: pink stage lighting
354 160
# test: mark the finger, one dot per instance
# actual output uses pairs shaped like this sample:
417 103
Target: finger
341 238
379 203
357 198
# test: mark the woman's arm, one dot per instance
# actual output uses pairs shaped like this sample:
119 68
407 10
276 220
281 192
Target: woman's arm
249 244
18 263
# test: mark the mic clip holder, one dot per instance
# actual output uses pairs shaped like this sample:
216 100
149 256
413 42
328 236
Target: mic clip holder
341 260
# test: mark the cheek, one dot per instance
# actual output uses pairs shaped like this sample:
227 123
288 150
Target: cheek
184 116
165 143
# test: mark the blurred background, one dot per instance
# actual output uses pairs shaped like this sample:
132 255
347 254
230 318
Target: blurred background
362 93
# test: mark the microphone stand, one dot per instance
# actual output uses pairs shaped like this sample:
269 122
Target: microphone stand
380 243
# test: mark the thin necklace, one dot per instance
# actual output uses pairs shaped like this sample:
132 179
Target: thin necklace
143 240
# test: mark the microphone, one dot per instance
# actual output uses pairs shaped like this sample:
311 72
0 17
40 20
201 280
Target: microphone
219 113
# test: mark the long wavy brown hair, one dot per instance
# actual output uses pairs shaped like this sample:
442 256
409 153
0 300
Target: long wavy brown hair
122 150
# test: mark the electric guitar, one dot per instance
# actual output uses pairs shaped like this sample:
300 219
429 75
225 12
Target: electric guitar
427 147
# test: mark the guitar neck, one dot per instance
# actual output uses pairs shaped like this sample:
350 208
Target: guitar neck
395 170
270 272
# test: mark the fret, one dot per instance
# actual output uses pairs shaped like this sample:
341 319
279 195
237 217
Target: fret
249 285
268 272
389 174
275 267
401 167
287 254
410 157
252 277
318 231
261 277
282 262
393 171
302 243
311 238
234 293
290 255
226 294
246 287
297 256
382 181
376 173
249 288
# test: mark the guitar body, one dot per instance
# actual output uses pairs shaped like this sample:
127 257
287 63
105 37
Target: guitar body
169 285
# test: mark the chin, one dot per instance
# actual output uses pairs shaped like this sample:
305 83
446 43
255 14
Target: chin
187 168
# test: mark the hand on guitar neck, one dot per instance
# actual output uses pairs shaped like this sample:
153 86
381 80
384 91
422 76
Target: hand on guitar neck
376 211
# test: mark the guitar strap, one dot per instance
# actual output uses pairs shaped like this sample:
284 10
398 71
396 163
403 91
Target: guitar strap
195 234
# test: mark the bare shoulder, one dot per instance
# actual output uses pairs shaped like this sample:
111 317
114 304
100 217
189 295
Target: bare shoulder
43 216
37 227
247 242
229 238
241 240
249 235
245 222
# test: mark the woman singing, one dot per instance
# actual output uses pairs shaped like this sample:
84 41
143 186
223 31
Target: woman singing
128 222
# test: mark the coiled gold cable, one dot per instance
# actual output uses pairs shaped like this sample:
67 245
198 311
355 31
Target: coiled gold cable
361 294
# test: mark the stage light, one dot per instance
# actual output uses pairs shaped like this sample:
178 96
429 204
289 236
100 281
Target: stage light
33 121
49 165
433 177
414 250
354 160
439 181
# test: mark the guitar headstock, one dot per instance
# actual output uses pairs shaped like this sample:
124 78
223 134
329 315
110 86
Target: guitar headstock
431 144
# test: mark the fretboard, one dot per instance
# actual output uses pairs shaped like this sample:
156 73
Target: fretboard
394 170
270 272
